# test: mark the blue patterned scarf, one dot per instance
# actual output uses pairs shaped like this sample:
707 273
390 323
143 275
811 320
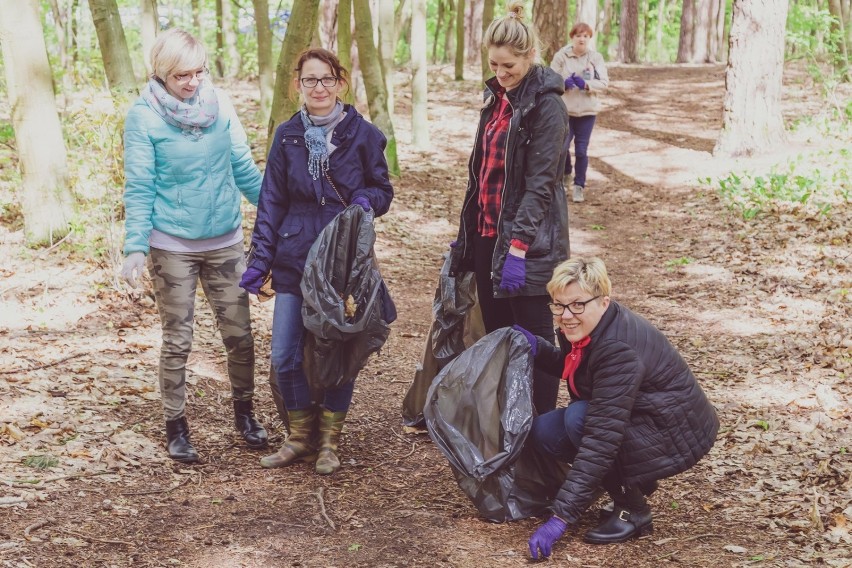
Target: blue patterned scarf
317 131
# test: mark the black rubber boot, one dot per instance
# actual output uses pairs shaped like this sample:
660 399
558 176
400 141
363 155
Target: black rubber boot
630 518
177 441
251 430
605 510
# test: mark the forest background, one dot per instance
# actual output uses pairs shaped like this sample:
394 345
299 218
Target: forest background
721 162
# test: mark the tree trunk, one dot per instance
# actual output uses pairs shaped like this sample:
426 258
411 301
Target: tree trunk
296 40
219 58
328 24
841 57
718 45
229 24
387 47
846 8
344 43
117 64
60 21
72 15
551 19
661 14
419 98
701 31
605 29
460 43
45 197
196 18
439 24
752 109
449 26
473 31
487 17
627 52
587 13
685 43
373 80
149 23
265 69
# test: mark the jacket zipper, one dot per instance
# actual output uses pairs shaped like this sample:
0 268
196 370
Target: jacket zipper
503 189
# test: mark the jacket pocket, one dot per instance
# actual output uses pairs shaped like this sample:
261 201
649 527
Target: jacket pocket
293 243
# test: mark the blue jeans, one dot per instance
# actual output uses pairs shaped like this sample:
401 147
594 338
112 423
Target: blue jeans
580 130
558 433
287 347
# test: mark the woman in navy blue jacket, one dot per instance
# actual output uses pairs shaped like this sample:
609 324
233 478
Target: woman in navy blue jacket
327 156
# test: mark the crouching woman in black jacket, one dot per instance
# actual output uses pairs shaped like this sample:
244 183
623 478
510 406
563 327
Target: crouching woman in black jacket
636 415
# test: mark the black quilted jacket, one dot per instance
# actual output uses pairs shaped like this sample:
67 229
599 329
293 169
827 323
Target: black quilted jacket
647 415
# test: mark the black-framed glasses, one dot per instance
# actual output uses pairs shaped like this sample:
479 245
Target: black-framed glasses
311 82
575 308
185 77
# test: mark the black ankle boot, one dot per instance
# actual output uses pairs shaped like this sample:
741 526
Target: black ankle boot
251 430
177 441
622 525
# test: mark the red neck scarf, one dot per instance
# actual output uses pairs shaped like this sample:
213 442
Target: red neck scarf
572 362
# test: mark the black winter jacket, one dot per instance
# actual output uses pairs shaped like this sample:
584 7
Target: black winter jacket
533 207
647 415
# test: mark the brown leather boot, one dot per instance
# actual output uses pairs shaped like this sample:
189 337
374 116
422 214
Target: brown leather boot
330 426
300 444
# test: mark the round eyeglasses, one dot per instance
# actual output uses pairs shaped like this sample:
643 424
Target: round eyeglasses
311 82
186 77
575 308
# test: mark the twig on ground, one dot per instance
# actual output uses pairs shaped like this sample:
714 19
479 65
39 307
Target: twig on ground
44 253
322 508
44 366
12 500
36 526
395 460
95 539
165 490
397 435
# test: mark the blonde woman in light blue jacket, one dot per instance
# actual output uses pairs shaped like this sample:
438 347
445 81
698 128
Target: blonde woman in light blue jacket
186 162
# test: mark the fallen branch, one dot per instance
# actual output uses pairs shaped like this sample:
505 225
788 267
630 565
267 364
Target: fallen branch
94 539
36 526
322 508
12 500
44 366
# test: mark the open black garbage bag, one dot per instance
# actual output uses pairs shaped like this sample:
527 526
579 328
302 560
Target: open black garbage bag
457 324
479 412
346 306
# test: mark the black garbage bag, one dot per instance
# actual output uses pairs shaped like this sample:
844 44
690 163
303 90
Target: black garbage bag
457 324
479 413
346 306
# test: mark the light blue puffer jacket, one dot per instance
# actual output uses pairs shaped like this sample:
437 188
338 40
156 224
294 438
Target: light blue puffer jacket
184 187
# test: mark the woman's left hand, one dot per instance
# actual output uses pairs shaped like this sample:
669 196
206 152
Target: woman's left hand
546 535
514 272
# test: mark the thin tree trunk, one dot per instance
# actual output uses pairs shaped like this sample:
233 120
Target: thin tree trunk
117 63
752 119
386 46
72 15
296 40
419 97
149 23
473 32
229 22
605 29
721 43
196 17
62 33
265 68
551 20
439 23
373 80
449 37
487 17
701 31
45 197
661 14
344 43
460 43
627 52
685 42
841 58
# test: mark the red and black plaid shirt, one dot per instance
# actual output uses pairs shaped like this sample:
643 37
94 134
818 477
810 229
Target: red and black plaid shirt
492 171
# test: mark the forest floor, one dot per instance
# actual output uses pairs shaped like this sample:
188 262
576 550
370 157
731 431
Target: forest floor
758 308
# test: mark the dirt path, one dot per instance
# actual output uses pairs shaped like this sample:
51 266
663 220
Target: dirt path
753 309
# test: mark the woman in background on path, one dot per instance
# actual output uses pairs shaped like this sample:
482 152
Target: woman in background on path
186 160
321 160
585 77
514 220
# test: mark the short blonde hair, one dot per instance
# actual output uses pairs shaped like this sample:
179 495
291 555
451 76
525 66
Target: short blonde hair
589 273
176 51
511 31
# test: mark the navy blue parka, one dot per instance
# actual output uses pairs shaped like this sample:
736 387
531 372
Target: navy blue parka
294 207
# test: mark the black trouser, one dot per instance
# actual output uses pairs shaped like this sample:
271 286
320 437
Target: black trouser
529 312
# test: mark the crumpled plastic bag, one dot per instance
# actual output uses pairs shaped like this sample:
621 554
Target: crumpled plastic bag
457 324
346 306
479 412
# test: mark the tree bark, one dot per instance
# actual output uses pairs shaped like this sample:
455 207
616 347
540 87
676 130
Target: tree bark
487 17
752 119
149 23
265 68
684 46
296 39
344 43
373 81
419 97
627 48
551 20
605 29
229 25
45 197
449 36
841 57
473 31
387 47
439 24
117 63
60 21
701 31
460 43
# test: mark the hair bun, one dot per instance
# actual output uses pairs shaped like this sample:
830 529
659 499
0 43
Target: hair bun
516 10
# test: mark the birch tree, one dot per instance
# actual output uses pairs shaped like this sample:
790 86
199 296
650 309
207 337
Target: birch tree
385 19
45 196
149 23
265 68
419 114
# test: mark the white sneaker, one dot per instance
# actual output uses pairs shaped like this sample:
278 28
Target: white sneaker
578 194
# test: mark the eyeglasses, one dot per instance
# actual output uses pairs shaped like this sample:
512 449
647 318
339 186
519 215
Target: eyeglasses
311 82
575 308
186 77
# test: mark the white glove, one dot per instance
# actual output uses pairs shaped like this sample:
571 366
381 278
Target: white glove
133 266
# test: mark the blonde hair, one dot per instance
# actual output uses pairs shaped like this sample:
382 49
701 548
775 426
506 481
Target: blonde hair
511 31
589 273
176 51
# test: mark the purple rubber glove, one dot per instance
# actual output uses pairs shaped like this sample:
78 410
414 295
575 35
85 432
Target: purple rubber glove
252 280
454 244
530 338
569 82
544 537
581 84
363 202
514 273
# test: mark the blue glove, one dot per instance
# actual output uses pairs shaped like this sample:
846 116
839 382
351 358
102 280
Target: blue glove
579 82
363 202
547 534
514 273
569 82
530 338
252 280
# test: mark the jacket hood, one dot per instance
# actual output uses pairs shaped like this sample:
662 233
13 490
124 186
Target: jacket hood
538 81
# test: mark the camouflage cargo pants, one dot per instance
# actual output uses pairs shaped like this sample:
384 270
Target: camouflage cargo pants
175 276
